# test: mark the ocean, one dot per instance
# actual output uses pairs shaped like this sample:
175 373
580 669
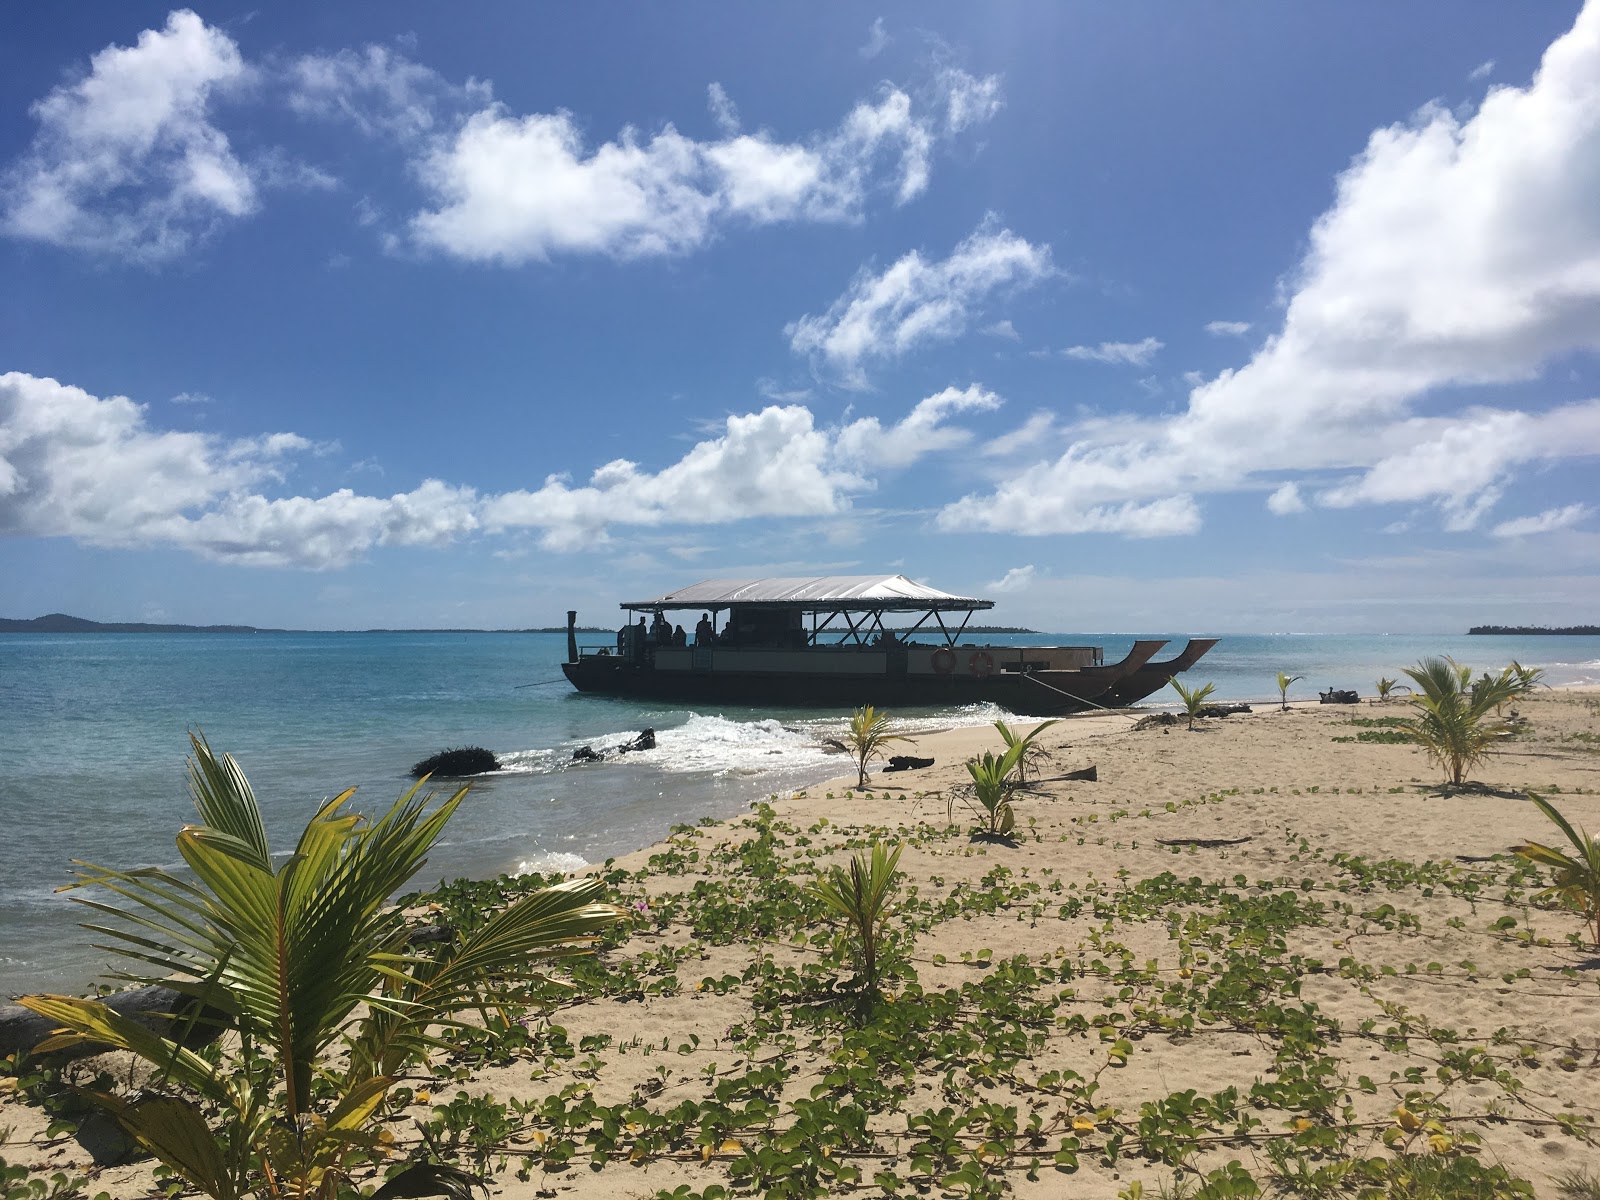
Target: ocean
93 734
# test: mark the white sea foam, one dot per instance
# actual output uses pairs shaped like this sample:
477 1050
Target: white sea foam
551 862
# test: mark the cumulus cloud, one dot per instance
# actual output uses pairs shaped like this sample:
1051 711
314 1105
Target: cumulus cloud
381 92
1460 251
921 432
1286 500
1018 579
126 161
1549 520
915 300
1228 328
513 189
1132 354
723 111
76 465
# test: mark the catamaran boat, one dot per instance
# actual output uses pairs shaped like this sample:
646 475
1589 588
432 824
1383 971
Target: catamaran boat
823 643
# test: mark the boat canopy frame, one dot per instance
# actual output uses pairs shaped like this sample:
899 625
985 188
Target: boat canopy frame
829 597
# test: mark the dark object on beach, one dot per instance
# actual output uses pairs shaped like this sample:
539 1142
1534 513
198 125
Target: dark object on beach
907 762
1155 720
1204 841
452 764
586 754
1336 696
645 741
428 935
152 1007
1090 773
1222 710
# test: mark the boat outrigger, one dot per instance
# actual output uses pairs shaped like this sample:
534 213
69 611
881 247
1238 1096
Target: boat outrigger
822 643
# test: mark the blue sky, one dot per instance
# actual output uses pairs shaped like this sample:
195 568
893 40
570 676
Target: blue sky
1142 316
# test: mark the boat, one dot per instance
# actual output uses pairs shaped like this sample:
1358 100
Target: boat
822 643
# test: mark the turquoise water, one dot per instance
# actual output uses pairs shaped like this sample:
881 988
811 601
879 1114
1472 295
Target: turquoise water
93 733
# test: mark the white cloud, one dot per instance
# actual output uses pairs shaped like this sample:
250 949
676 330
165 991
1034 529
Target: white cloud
877 41
915 301
1017 579
1003 329
922 432
1133 354
1547 521
381 93
513 189
723 110
1482 71
1027 436
1286 500
190 398
771 463
1459 252
1228 328
126 161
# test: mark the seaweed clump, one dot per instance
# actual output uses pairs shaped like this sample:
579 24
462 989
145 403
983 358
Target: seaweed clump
463 760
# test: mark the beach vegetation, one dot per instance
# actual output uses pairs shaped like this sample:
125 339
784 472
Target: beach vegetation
1387 687
991 787
456 763
857 896
317 980
1284 680
1030 753
1576 884
867 736
1454 722
1194 699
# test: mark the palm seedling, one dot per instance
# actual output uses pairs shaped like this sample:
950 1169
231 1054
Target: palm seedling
991 785
1387 686
1577 875
1194 699
1029 753
1284 680
1454 724
325 998
858 896
867 736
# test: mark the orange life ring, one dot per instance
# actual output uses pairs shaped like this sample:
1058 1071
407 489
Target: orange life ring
981 663
944 660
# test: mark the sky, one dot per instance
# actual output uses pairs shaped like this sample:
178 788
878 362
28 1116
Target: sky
1134 317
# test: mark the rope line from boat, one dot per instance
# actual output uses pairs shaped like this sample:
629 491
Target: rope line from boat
1070 696
536 683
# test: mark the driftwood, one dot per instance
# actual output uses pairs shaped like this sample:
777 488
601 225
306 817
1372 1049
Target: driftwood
906 762
1222 710
1091 774
1204 842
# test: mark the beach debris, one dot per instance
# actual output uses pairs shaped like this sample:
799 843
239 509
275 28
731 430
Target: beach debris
1091 773
1340 696
456 762
1204 842
1222 710
645 741
907 762
153 1007
1155 721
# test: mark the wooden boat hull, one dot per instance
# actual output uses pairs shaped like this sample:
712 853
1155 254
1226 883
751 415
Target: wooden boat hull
1152 677
1000 675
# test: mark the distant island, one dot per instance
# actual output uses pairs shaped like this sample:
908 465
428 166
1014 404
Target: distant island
1565 630
62 623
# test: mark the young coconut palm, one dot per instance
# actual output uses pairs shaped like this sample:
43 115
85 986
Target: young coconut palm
1577 876
313 972
1387 686
991 785
859 897
867 736
1454 722
1194 699
1029 753
1284 680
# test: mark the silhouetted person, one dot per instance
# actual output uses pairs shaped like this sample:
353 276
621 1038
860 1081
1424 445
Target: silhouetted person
679 638
705 633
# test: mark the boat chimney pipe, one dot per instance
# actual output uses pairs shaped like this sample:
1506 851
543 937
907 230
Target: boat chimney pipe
572 636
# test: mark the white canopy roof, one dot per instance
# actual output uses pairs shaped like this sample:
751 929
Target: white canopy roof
882 593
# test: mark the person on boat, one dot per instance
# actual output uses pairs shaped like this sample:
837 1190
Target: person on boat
705 633
660 630
679 637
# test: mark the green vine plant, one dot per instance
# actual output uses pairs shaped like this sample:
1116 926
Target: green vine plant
1577 875
325 1001
1454 722
1029 753
858 897
1284 680
1194 699
866 738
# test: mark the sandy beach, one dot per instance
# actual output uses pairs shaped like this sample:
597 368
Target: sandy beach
1265 951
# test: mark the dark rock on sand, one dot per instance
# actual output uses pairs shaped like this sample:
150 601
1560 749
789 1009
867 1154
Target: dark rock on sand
907 762
453 764
153 1007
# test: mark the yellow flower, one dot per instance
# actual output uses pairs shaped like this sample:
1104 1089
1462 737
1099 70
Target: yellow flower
1303 1124
424 1096
1083 1124
1184 972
